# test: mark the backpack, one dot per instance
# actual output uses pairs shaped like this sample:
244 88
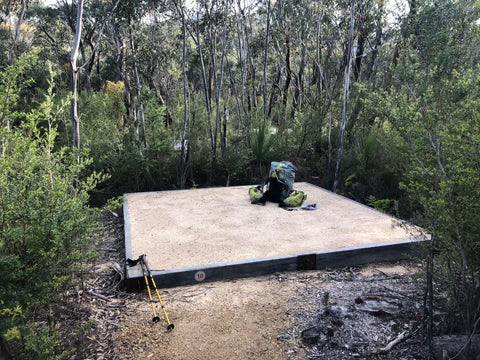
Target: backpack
284 173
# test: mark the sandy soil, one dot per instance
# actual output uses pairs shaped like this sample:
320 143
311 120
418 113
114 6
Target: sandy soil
255 318
187 228
223 320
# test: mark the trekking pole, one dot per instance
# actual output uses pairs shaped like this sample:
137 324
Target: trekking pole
155 317
170 326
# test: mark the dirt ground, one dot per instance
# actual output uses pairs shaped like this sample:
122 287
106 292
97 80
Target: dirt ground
353 313
256 318
223 320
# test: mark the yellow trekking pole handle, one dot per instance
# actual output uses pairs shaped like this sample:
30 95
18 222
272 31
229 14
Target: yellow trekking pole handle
155 317
170 326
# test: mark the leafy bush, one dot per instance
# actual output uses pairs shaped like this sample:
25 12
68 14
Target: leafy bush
46 227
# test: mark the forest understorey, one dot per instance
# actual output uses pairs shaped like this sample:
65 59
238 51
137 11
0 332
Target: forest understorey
369 312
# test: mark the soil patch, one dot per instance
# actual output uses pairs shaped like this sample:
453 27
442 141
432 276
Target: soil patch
357 313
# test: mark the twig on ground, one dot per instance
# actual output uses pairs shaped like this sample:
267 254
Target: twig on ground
91 292
391 344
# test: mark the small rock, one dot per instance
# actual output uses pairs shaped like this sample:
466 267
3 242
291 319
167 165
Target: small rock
311 335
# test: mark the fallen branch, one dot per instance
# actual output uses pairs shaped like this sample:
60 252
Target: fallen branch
119 270
91 292
391 344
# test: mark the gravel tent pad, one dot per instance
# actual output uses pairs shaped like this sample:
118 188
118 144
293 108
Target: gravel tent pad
213 234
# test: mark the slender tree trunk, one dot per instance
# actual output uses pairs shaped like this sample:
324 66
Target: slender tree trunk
218 90
11 56
127 92
428 298
275 89
139 94
242 50
185 103
345 100
369 74
240 113
323 85
213 88
224 128
288 71
136 130
204 77
359 54
264 82
74 84
251 71
206 92
299 89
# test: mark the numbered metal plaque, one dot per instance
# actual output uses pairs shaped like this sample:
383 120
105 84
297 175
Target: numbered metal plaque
200 276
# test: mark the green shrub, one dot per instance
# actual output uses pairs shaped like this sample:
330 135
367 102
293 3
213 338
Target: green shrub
46 227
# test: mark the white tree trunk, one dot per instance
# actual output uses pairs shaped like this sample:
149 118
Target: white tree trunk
74 84
345 99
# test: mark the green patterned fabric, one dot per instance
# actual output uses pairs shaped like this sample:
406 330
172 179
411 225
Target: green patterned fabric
255 194
284 172
296 198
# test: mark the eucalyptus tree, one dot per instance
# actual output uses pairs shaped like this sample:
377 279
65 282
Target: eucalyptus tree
74 81
20 17
345 98
434 107
186 113
75 117
128 20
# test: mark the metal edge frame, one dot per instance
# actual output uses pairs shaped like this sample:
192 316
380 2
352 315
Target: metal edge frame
332 258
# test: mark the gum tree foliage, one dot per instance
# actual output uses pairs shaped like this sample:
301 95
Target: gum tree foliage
46 226
434 106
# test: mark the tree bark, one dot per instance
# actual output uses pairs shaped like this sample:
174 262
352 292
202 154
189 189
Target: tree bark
219 85
264 82
359 54
345 100
127 91
242 52
185 103
224 129
275 89
288 71
369 74
299 89
138 88
74 84
11 56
